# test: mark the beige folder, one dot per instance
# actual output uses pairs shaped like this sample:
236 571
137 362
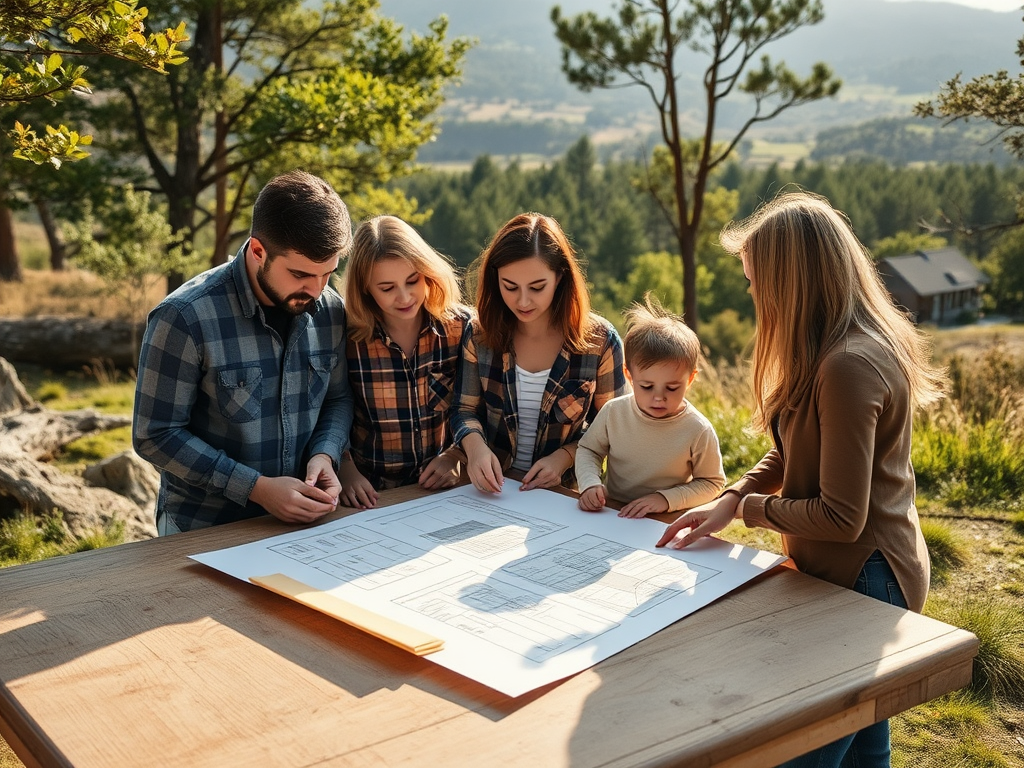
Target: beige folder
389 630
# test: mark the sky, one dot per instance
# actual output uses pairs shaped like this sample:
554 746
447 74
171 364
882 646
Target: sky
992 5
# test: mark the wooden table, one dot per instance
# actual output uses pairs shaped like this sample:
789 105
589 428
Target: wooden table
138 656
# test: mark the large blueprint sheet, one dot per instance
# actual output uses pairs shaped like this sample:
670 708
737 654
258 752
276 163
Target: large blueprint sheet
523 587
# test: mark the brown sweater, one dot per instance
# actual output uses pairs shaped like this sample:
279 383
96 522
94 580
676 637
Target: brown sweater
840 485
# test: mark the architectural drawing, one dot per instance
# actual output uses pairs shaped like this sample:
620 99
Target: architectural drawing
522 587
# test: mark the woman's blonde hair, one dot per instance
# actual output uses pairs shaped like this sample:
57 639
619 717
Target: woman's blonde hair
388 237
525 236
812 280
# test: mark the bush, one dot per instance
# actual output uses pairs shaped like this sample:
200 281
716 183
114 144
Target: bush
999 627
946 548
963 463
51 390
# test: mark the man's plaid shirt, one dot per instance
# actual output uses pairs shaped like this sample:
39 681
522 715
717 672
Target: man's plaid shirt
221 400
401 405
578 385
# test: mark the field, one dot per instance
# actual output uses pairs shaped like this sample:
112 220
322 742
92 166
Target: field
970 460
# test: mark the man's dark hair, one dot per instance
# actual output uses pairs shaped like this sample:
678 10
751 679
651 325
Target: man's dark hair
300 212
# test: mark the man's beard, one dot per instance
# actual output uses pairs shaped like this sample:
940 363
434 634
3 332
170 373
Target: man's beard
295 304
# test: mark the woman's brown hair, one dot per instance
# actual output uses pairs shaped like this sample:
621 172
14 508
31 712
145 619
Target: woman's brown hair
525 236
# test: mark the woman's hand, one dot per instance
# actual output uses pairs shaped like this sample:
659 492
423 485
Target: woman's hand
482 465
441 472
547 472
701 521
356 490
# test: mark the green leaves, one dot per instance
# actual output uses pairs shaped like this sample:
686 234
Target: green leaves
57 146
36 31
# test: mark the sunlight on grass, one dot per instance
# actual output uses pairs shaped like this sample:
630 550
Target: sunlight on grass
999 627
947 549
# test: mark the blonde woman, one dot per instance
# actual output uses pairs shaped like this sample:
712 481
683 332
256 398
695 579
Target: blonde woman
838 371
405 327
538 366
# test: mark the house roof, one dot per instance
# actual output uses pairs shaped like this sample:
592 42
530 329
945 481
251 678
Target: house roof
934 272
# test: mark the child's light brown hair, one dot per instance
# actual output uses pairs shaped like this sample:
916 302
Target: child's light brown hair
655 336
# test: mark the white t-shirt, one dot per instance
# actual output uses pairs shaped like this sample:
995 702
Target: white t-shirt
529 392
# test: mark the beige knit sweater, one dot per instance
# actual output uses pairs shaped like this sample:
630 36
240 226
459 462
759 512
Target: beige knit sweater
677 457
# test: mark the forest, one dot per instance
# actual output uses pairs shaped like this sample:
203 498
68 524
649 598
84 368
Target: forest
626 240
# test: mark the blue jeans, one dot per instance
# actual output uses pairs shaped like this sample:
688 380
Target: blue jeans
869 747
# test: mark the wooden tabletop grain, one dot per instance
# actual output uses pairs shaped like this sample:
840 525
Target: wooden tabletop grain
137 656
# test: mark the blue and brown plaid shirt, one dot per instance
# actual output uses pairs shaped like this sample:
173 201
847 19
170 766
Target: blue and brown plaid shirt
578 386
401 405
221 399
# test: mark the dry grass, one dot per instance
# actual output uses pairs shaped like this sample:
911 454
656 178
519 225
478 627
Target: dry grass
73 292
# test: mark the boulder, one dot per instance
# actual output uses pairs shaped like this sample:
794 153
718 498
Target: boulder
127 474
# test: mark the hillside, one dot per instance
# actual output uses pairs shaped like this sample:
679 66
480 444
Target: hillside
889 55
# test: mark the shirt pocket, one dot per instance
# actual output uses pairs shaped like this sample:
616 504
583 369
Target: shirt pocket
440 387
572 402
320 369
240 393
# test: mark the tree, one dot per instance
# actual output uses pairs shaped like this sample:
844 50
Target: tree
997 99
130 247
271 85
642 45
41 45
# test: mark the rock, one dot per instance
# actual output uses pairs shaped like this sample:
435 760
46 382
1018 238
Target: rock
128 475
13 395
39 489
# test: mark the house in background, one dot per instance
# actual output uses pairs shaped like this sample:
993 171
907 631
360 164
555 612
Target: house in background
934 286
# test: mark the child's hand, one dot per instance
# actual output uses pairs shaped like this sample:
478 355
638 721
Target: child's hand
651 504
356 490
593 499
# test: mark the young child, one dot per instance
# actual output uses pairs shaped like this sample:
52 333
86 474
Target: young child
405 327
662 453
538 365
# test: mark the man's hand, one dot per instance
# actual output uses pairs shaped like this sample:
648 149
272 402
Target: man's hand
651 504
320 474
291 500
593 498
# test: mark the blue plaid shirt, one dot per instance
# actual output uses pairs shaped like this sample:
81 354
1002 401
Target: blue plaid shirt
221 399
578 385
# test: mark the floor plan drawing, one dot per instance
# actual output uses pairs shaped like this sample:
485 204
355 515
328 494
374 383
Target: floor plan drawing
509 617
522 587
605 573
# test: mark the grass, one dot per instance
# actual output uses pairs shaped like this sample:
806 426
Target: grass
26 539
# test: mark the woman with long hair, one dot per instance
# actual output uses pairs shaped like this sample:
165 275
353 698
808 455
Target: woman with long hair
405 324
538 365
838 372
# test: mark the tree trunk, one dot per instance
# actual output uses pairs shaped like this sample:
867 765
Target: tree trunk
58 251
70 342
10 264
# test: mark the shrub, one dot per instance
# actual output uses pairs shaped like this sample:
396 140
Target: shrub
964 463
946 548
999 627
51 390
